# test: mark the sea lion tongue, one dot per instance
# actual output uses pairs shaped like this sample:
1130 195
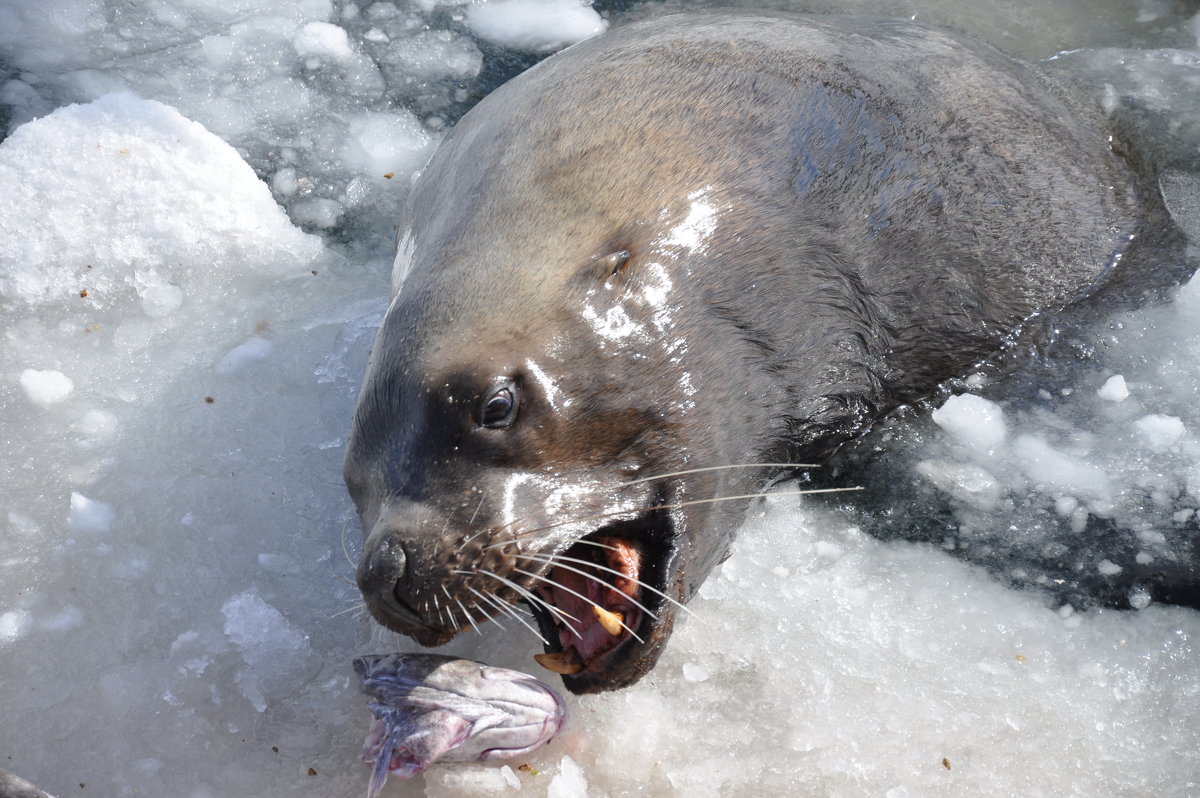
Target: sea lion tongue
595 590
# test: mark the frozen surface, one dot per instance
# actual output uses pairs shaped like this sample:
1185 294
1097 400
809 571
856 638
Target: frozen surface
195 260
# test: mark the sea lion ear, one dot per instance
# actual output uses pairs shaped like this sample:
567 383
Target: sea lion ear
603 268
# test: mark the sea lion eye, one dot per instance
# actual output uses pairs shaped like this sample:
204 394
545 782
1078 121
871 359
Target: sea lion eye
499 407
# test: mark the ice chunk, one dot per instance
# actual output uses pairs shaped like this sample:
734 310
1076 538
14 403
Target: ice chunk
323 39
539 25
89 515
46 387
13 624
161 300
387 144
965 482
972 420
189 215
569 782
242 355
275 652
1159 432
1114 389
64 620
1051 466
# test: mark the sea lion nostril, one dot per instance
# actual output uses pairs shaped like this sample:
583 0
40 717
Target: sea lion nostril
400 595
385 563
385 578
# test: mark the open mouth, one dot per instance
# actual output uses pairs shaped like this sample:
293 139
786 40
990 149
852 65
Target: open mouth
601 600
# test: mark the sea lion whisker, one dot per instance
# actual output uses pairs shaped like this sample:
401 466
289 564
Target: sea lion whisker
555 561
688 471
482 496
504 606
526 594
491 618
670 506
566 589
470 617
449 611
560 558
345 548
358 606
585 542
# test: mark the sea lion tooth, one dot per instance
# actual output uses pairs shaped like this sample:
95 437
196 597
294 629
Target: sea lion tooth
611 621
564 662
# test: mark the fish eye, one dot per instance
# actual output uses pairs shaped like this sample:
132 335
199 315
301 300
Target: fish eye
498 409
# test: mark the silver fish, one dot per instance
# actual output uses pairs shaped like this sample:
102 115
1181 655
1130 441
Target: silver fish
13 786
433 708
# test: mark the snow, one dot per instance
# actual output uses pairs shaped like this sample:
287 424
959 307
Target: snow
177 606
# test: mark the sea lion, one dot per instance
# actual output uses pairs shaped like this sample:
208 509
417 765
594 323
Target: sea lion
665 257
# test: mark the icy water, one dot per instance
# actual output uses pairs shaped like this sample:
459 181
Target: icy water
195 259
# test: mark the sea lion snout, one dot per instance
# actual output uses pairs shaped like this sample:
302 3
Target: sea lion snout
388 576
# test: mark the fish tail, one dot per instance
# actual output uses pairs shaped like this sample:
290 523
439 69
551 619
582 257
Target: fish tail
379 772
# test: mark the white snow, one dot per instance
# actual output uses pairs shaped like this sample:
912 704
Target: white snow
180 364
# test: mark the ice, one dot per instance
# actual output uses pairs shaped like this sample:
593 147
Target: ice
177 607
275 652
569 782
64 620
90 516
1114 389
972 420
181 201
382 145
46 387
542 25
323 39
244 354
1159 432
13 624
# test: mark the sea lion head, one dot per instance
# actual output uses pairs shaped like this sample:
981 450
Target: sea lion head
549 378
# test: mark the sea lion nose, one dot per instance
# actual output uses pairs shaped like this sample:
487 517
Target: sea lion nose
382 576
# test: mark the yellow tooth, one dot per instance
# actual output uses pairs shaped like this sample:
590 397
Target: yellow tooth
611 621
564 662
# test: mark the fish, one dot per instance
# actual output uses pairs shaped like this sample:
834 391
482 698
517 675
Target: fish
13 786
432 708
